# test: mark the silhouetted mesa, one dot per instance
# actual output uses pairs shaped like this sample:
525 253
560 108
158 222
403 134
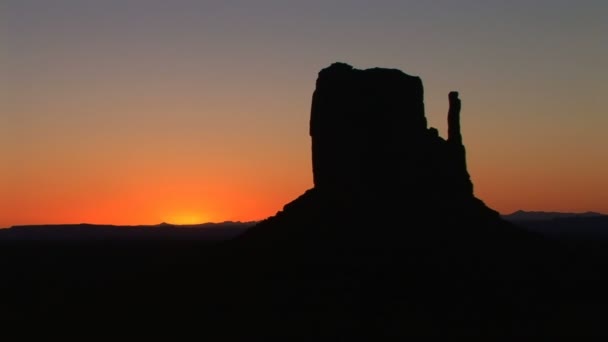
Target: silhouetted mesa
374 158
370 136
391 225
361 125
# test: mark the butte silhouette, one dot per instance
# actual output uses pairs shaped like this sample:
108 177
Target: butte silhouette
381 176
391 238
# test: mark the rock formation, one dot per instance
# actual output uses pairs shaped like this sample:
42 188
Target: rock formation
392 227
361 125
454 135
375 161
370 136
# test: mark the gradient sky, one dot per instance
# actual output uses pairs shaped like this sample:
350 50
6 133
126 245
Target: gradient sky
137 112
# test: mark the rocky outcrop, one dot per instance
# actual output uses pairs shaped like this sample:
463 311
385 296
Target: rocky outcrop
361 125
454 135
376 162
370 137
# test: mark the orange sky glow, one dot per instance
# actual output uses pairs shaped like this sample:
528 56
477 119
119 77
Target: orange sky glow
137 112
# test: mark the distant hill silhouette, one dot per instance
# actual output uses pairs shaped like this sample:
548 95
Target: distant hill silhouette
522 215
91 232
571 227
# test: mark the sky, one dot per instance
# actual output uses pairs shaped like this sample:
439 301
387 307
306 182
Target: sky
184 111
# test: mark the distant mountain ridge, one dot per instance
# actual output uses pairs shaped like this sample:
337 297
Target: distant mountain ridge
210 231
522 215
565 226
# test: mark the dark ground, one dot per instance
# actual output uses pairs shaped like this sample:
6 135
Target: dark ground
239 290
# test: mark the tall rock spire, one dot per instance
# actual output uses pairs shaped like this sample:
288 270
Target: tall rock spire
454 135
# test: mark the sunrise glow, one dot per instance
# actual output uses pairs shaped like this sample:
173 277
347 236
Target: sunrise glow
186 219
127 113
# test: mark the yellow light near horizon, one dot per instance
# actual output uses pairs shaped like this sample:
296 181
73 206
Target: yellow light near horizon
186 218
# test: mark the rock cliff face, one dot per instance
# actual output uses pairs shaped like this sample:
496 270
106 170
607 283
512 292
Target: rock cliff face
370 137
